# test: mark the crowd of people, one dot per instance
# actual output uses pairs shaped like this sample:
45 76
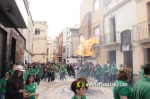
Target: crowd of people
21 80
121 87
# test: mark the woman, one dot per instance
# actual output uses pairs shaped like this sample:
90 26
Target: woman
79 89
121 89
14 86
30 86
3 85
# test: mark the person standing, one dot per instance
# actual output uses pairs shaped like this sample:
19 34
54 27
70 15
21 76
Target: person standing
121 89
30 86
3 85
11 71
113 72
98 72
141 88
14 86
105 73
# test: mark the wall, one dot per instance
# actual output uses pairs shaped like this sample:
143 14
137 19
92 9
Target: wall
142 10
125 17
40 41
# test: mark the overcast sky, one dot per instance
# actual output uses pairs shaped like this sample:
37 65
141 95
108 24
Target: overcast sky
58 13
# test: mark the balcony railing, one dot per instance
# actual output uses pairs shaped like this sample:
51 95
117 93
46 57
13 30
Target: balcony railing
112 37
141 32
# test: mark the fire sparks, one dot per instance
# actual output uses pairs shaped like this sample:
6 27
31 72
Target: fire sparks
85 47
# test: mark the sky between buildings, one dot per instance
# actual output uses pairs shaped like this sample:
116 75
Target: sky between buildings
58 13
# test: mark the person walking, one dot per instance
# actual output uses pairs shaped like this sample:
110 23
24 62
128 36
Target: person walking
14 86
3 85
30 87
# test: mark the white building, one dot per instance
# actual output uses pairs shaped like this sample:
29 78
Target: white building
28 34
70 44
119 16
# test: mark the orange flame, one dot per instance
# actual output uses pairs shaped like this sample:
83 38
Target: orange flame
85 47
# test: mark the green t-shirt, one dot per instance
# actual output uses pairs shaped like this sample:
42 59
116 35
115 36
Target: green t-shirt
25 75
142 73
3 85
105 70
98 70
114 70
141 89
74 97
121 88
31 89
31 71
40 70
11 72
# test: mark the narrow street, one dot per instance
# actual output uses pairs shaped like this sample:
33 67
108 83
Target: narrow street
61 90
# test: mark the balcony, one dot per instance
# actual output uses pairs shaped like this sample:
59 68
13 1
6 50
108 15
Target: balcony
141 32
112 39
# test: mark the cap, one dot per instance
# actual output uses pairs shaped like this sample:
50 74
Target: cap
19 68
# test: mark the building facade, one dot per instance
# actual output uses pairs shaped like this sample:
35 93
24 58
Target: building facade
13 19
141 36
72 43
40 42
59 47
91 24
28 34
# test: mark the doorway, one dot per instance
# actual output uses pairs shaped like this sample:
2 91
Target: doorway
128 61
112 57
13 50
3 43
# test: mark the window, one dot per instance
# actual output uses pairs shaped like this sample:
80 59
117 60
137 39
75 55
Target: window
95 5
97 33
37 31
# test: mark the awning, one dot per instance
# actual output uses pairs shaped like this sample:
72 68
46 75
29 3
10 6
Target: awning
10 15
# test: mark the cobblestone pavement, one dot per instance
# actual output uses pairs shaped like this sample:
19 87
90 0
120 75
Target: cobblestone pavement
61 90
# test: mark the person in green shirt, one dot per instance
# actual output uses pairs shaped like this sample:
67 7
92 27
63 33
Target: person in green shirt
113 72
11 71
142 71
30 87
141 88
79 88
3 85
99 73
121 89
105 73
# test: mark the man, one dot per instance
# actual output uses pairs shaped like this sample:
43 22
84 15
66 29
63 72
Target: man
141 88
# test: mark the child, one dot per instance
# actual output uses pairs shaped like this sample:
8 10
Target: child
79 88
